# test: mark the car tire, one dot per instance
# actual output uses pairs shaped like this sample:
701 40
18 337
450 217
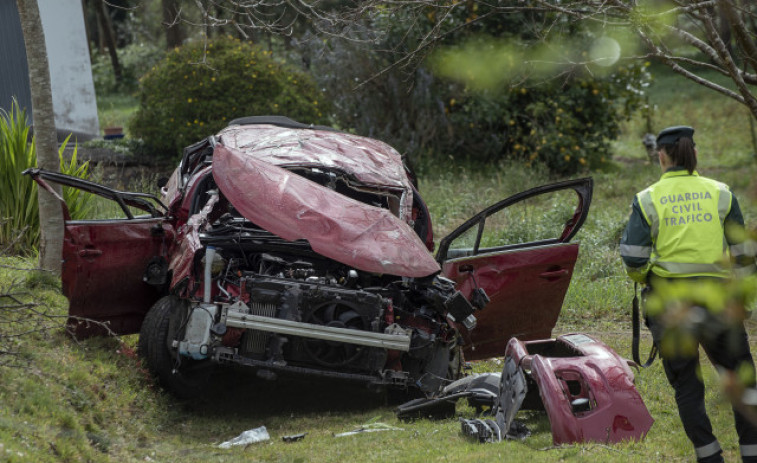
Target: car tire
183 377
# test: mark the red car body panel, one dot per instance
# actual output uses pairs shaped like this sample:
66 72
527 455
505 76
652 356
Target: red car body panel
104 262
365 237
576 368
526 288
526 282
187 245
103 267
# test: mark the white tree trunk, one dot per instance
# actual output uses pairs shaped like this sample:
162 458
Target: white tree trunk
50 212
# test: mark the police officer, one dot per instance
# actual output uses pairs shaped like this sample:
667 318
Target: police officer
680 230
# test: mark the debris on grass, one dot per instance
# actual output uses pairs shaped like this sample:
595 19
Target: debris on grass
370 427
294 437
248 437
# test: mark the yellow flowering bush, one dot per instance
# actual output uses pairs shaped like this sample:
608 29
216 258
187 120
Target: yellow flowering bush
567 125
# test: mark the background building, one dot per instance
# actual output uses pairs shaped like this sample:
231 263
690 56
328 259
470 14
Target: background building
73 89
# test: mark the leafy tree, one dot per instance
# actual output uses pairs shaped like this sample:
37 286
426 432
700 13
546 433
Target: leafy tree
474 98
688 36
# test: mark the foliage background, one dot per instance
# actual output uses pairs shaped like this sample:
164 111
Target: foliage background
136 60
476 98
19 210
199 88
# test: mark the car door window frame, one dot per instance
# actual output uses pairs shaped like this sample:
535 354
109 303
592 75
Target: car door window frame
124 199
583 188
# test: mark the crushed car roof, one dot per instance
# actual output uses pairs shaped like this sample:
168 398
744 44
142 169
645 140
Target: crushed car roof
365 237
371 162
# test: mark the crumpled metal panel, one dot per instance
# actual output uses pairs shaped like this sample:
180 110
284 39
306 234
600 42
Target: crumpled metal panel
512 390
365 237
586 388
188 243
372 162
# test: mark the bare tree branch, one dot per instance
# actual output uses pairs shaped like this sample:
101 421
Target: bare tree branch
22 318
700 44
742 35
673 64
736 74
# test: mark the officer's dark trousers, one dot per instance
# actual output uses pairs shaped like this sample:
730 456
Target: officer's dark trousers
728 349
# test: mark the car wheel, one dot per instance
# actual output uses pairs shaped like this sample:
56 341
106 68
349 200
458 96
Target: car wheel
182 376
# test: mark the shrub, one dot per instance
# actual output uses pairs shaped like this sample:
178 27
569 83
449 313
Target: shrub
198 88
19 210
564 118
568 125
135 60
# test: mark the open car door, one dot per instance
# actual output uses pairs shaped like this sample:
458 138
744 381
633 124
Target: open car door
519 252
113 268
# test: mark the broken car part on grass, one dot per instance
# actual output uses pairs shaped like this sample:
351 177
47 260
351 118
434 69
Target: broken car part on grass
586 389
304 251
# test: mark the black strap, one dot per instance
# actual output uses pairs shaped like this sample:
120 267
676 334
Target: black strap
636 328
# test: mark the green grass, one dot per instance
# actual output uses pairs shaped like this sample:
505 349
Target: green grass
90 401
721 124
115 110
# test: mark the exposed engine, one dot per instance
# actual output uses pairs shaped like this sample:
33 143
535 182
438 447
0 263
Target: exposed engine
279 306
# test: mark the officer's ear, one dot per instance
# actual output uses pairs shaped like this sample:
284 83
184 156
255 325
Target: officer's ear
664 159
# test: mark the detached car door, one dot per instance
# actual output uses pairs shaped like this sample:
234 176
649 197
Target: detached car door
519 252
113 268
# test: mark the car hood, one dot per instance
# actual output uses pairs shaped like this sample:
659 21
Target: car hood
372 162
365 237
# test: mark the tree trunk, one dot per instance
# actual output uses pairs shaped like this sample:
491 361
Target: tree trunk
46 140
110 38
174 29
87 27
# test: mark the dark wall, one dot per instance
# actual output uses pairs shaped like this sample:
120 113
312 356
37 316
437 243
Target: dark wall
14 78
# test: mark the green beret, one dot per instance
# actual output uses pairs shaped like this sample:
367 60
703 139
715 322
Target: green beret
671 135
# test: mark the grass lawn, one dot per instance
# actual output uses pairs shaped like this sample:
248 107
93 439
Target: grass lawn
91 401
114 110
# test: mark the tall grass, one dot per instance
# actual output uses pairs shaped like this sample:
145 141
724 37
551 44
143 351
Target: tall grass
80 204
19 210
19 218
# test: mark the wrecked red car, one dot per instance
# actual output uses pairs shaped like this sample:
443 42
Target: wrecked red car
302 250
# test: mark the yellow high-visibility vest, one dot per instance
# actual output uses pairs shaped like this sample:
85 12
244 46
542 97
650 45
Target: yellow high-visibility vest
686 213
